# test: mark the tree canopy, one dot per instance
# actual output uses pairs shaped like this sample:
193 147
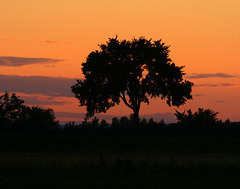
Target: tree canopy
10 108
132 71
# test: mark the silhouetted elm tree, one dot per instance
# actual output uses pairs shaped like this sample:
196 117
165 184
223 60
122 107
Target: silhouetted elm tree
132 71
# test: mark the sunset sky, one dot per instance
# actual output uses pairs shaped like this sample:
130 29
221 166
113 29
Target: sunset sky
44 42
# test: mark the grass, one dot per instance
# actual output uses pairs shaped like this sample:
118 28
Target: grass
30 160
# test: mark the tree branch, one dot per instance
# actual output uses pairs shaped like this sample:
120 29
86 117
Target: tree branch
124 100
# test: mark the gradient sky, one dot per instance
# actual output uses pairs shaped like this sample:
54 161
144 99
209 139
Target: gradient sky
43 44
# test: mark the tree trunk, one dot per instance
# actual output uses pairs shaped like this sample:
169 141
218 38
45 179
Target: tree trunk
136 119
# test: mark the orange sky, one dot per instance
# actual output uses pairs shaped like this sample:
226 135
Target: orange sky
204 36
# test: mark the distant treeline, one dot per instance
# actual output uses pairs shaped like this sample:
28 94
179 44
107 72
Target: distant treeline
188 127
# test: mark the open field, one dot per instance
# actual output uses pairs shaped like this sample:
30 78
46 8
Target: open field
64 161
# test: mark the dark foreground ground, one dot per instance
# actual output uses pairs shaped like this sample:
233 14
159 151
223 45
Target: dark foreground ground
66 161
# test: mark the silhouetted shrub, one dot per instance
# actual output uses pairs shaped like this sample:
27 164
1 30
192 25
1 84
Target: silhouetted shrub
103 124
37 118
201 118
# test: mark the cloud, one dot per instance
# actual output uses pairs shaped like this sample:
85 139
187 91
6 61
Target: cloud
227 84
52 42
209 75
220 101
50 86
7 39
21 61
205 85
216 85
43 100
55 42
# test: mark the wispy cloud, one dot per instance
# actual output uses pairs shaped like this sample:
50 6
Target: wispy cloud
43 100
216 85
220 101
50 86
7 39
209 75
56 42
52 42
38 39
228 84
22 61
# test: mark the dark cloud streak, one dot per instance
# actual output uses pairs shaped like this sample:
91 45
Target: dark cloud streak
216 85
35 100
209 75
51 42
22 61
50 86
58 42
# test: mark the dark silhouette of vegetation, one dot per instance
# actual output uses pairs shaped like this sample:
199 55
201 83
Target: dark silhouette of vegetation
131 71
14 114
38 119
201 118
201 124
10 108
